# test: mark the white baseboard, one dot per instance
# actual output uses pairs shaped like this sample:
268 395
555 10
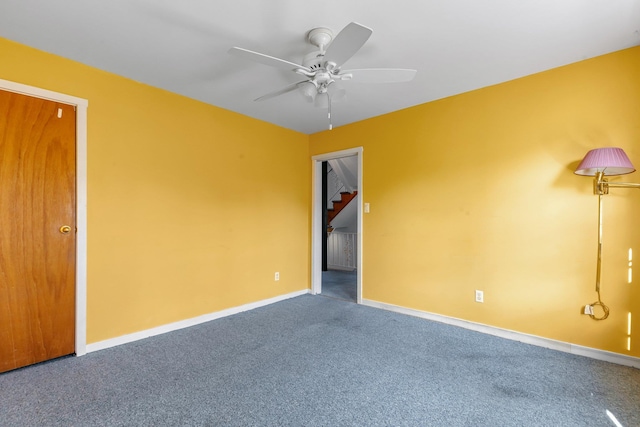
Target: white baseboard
124 339
592 353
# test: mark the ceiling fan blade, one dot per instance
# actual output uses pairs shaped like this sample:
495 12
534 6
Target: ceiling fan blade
380 75
347 43
284 90
271 61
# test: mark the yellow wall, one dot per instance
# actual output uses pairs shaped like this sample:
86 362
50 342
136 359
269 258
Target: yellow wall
191 208
477 191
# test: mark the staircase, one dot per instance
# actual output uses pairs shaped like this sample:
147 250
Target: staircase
345 198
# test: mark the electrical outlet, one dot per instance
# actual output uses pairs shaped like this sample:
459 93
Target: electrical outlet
277 276
479 296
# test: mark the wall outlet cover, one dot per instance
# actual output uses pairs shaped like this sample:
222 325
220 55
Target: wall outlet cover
479 296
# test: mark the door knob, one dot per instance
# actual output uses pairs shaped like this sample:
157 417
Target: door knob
65 229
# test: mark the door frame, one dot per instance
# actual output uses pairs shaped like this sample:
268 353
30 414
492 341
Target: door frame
316 218
81 198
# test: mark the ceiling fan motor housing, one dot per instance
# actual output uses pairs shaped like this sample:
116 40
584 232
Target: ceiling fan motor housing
319 37
313 60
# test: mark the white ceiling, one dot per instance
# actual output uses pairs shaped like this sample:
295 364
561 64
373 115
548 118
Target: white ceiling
456 45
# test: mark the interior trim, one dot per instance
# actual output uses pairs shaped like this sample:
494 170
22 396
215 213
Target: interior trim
316 218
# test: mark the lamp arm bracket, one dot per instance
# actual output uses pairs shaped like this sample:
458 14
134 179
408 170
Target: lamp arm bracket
623 184
601 184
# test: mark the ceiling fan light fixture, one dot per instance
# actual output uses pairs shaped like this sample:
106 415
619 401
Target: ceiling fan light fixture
308 90
336 93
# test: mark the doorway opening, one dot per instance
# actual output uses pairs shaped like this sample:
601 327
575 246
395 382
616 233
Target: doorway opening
337 271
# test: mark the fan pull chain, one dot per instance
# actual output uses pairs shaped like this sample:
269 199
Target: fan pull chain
329 111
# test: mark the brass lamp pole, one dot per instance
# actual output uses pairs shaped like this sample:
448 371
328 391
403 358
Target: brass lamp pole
612 161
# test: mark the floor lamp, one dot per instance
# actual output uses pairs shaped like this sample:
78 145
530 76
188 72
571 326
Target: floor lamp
600 163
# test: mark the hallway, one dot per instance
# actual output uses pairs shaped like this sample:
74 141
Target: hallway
340 284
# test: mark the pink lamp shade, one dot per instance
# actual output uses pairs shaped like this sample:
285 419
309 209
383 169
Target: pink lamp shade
608 160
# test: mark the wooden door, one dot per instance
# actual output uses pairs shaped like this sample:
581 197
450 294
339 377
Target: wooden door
37 255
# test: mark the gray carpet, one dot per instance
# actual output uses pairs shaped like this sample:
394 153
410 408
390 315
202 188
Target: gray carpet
340 284
316 361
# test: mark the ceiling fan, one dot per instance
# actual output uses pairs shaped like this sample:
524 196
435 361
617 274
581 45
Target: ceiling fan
322 68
